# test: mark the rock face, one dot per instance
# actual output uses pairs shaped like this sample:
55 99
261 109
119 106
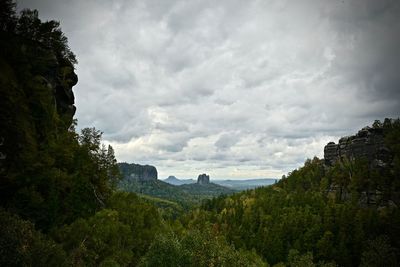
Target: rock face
138 172
368 143
60 77
203 179
35 85
63 88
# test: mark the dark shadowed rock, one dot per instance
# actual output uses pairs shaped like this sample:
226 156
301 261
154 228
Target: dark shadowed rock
368 144
330 153
138 172
63 89
203 179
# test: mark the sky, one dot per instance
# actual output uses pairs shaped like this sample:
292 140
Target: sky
235 89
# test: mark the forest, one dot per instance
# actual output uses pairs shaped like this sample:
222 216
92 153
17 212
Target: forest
60 204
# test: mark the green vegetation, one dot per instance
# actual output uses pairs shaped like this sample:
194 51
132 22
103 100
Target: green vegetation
206 191
186 196
142 180
159 189
59 203
117 235
325 215
50 175
167 209
197 248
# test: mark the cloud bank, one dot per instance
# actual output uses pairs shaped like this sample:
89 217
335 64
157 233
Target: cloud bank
237 89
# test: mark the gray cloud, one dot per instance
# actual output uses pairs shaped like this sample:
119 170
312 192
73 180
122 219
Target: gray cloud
233 88
226 141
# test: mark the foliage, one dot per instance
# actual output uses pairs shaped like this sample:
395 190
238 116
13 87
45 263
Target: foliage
315 214
120 233
47 34
22 245
197 248
98 239
379 252
50 175
169 210
186 196
158 189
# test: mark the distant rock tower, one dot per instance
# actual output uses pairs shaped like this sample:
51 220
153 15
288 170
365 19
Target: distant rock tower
203 179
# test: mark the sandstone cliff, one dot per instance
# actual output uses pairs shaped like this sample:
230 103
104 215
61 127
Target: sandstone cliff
368 164
138 172
36 80
203 179
368 143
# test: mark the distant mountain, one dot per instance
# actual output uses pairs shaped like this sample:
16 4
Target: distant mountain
207 190
245 184
232 184
175 181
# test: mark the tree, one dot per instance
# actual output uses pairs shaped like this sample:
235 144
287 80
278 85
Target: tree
47 34
97 240
90 138
379 252
8 19
22 245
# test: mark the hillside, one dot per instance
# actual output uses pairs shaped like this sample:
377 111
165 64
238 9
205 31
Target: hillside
142 179
246 184
208 190
158 189
185 195
340 213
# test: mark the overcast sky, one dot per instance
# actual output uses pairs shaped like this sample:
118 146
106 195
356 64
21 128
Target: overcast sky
236 89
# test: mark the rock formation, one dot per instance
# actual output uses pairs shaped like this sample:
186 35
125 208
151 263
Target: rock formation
368 144
203 179
138 172
37 101
63 89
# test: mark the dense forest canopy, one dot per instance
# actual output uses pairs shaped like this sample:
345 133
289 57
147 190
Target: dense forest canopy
60 204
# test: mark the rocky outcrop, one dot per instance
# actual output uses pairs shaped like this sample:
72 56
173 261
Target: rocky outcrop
367 144
37 101
203 179
46 69
59 76
63 88
138 172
